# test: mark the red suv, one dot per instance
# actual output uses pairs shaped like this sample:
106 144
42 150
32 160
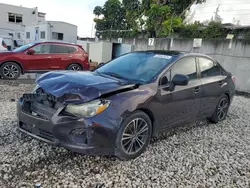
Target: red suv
42 57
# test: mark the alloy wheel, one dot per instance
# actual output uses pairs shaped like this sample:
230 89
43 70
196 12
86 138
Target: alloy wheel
10 71
222 109
134 136
75 68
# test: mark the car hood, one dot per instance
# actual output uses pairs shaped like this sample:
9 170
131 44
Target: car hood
87 85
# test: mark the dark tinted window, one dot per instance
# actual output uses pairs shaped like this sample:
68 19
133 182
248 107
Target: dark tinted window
60 49
72 49
209 68
42 49
185 66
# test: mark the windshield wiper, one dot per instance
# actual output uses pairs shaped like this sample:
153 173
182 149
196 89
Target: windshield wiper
115 75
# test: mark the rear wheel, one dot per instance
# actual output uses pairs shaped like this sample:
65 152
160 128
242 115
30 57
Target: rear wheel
221 110
133 136
10 71
74 67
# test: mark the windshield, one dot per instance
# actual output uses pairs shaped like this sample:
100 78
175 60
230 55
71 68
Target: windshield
138 66
24 47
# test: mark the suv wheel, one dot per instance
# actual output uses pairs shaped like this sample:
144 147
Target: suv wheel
10 71
133 136
221 110
74 67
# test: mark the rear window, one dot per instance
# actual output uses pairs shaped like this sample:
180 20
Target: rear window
60 49
3 43
72 49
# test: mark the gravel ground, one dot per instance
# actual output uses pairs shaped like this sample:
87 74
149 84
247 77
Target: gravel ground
198 155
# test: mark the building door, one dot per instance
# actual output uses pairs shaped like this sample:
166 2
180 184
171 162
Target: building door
36 33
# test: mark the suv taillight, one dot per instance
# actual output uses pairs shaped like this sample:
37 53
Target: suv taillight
3 44
234 79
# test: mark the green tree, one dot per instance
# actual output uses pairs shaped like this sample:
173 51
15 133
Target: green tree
157 14
98 11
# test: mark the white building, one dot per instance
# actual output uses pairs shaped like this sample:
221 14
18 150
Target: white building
28 24
230 11
51 30
13 19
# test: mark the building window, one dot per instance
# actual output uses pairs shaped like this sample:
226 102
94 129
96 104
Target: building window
57 36
19 35
27 35
42 34
15 18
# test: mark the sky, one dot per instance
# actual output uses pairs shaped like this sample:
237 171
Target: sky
77 12
229 10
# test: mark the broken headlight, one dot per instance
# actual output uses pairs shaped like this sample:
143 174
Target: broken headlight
35 88
88 109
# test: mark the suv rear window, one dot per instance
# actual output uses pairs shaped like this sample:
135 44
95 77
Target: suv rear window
72 49
60 49
4 44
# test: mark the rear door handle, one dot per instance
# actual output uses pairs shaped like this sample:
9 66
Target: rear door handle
69 56
197 89
49 57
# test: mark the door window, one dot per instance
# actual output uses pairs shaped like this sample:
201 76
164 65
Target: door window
185 66
60 49
42 49
208 67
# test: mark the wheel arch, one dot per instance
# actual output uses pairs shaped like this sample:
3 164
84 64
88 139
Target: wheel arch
13 61
151 116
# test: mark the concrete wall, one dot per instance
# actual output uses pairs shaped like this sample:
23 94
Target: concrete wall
100 51
235 59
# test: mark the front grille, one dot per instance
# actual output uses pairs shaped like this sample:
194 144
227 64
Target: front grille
36 131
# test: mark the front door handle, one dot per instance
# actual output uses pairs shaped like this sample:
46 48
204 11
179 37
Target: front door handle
49 57
197 89
69 56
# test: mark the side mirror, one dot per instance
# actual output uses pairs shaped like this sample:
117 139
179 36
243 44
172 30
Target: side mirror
180 80
31 52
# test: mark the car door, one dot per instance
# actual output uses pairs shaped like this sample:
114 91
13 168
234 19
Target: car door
183 103
60 57
214 84
40 60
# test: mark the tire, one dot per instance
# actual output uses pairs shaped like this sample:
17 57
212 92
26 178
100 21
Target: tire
221 110
10 71
139 142
74 67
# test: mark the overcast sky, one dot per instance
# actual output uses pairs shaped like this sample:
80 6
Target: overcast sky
77 12
80 12
228 10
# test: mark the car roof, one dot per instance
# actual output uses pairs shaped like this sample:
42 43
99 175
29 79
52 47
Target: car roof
55 42
175 53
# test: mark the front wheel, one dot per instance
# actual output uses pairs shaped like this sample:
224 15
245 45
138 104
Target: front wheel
133 136
221 110
10 71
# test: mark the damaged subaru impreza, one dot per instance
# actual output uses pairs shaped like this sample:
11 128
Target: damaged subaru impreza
119 107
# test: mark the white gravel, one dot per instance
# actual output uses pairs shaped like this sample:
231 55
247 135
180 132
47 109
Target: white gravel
199 155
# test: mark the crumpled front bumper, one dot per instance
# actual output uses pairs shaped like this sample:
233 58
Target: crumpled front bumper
88 136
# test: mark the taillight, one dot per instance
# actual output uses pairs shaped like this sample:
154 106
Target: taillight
3 44
234 79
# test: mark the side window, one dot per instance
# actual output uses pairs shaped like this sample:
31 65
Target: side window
60 49
42 49
208 68
185 66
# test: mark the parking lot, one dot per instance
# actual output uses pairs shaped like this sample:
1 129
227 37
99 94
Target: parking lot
198 155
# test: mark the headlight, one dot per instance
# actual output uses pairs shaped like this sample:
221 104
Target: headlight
88 109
